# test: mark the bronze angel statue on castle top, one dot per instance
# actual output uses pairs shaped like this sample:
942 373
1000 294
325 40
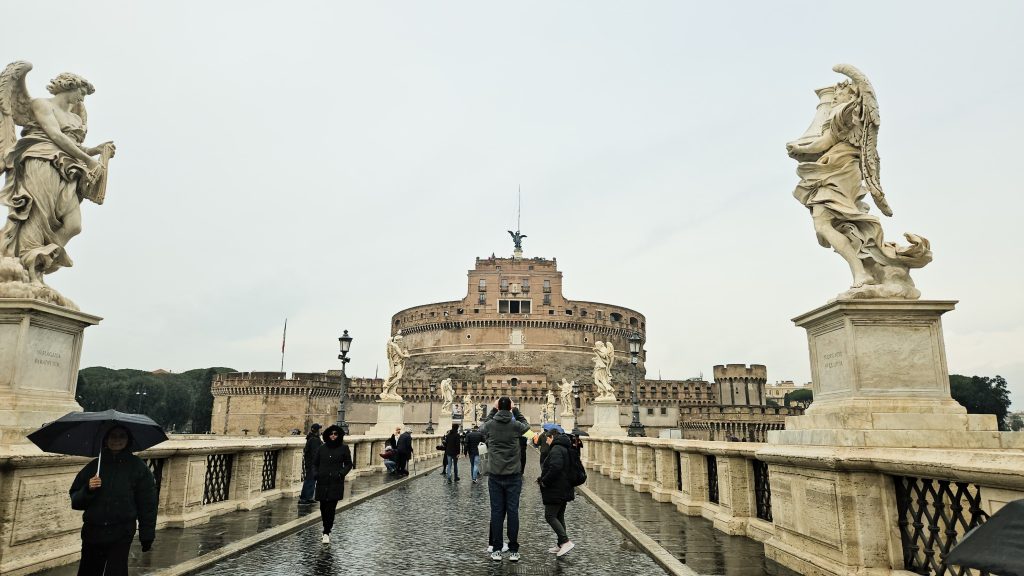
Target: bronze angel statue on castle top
48 171
839 167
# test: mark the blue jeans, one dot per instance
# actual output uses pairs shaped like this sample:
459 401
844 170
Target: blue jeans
474 467
504 491
451 469
308 486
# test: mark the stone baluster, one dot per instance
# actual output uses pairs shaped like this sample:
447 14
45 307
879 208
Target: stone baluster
735 491
694 492
627 470
644 471
247 479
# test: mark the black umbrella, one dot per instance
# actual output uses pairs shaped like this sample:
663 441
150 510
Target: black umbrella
997 546
81 433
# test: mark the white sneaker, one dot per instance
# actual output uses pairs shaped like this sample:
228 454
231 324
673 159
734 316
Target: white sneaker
554 549
513 557
490 549
564 549
496 556
326 539
504 548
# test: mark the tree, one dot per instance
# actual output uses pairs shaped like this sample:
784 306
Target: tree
179 402
982 395
1015 422
803 397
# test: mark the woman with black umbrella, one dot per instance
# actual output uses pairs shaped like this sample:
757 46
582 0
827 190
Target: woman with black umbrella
114 499
333 462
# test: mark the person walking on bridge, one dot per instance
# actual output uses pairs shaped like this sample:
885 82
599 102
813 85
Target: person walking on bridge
555 488
313 443
452 447
502 430
333 462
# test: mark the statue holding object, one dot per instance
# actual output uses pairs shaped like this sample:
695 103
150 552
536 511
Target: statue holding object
48 172
396 368
839 167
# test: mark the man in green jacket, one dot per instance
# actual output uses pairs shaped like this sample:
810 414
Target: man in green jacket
113 501
501 431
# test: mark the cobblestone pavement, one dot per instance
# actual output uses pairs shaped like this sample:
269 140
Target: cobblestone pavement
691 539
429 527
174 545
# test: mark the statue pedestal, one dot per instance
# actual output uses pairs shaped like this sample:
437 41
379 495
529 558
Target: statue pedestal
879 377
567 422
606 419
444 424
390 415
40 347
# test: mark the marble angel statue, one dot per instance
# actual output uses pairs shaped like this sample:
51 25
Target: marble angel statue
48 172
565 393
396 367
550 405
447 395
839 167
604 358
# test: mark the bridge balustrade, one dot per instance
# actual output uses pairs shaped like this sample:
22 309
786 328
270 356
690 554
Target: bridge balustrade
896 508
197 477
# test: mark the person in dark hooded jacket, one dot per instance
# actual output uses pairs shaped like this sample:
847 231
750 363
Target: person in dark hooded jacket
313 444
452 447
556 490
122 495
332 463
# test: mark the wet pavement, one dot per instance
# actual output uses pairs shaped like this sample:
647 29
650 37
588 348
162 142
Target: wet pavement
691 539
430 527
427 526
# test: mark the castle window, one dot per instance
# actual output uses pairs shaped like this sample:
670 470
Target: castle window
583 313
616 317
482 287
551 312
547 285
633 321
650 411
530 267
599 314
460 310
568 312
504 285
476 310
547 299
482 299
514 306
397 321
664 411
526 285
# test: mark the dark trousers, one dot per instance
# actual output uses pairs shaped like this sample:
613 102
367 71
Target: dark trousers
401 464
328 508
308 486
504 491
555 516
104 559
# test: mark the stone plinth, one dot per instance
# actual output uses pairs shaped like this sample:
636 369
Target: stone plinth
40 347
879 378
567 422
606 418
444 424
390 415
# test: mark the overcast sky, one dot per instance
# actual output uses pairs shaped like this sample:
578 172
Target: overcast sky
335 162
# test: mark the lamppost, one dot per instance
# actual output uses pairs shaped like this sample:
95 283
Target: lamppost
635 427
430 419
141 394
575 408
344 344
513 383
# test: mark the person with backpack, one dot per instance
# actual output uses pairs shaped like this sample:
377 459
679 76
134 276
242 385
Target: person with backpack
473 440
452 447
557 488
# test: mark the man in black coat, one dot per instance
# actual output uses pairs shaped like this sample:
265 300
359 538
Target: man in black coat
452 448
313 444
473 440
403 452
556 490
332 463
113 501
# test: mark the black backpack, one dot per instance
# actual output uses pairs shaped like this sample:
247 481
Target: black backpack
577 473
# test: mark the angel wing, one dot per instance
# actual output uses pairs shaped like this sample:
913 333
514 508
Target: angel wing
870 120
610 351
15 106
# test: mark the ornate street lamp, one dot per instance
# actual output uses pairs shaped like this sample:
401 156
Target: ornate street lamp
575 408
513 383
344 345
141 393
430 419
635 427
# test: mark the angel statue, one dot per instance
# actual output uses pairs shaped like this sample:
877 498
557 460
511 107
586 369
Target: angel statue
396 368
604 358
48 172
447 395
839 166
517 239
550 405
565 394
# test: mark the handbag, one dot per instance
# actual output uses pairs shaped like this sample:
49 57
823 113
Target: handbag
482 449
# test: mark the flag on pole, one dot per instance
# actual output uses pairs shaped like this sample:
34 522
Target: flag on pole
284 336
